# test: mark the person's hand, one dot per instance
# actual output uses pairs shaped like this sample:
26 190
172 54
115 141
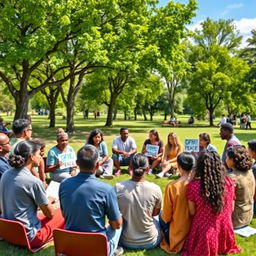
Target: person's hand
126 154
51 199
100 163
73 172
59 164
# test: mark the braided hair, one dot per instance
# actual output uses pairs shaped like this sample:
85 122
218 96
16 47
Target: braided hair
212 174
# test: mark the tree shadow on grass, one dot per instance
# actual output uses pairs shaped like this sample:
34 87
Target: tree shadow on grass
7 249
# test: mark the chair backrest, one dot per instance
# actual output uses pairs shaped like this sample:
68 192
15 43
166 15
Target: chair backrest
75 243
14 232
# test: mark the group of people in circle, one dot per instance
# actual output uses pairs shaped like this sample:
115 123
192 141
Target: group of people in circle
210 197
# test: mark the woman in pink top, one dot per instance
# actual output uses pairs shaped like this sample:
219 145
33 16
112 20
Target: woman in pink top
210 197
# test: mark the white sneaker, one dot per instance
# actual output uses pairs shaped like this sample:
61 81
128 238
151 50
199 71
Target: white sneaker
119 251
160 175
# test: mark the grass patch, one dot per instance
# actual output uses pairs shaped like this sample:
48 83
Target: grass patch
139 131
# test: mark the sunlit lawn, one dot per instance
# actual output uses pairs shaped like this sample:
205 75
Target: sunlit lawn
139 130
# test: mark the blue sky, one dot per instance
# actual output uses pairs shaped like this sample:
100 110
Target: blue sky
243 12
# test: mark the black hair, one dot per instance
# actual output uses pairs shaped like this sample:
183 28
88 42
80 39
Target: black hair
20 125
227 127
22 151
139 164
186 161
252 144
87 157
123 129
241 157
212 179
93 134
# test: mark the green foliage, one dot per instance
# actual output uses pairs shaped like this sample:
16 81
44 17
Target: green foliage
216 76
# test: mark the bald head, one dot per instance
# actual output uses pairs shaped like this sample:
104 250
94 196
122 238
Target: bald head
5 146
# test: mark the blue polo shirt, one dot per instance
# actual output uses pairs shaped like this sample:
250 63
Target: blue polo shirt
85 201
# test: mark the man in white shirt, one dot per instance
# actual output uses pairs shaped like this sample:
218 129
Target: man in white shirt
123 148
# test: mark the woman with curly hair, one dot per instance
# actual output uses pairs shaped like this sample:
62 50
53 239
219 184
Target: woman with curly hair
172 149
105 170
240 161
210 199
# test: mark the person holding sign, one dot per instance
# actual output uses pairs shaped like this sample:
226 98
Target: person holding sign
105 169
61 159
172 149
205 143
153 148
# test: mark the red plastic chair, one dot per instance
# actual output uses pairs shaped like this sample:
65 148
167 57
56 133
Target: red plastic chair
14 232
75 243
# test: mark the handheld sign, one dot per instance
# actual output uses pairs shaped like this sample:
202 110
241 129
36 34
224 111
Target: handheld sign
68 159
151 150
191 145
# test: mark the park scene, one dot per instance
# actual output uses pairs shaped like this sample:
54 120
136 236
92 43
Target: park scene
128 96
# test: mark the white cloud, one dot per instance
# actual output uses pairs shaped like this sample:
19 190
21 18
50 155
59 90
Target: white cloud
235 6
245 26
230 7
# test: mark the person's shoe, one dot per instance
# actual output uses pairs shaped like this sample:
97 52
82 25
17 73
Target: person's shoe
130 172
118 172
160 175
119 251
150 171
106 176
168 174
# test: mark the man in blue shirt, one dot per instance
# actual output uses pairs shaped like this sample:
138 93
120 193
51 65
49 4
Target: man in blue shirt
86 201
5 148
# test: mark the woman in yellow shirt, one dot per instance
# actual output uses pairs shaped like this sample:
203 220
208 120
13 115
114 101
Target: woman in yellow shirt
172 149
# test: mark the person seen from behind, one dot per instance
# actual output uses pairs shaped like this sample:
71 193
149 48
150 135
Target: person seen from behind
175 218
210 200
240 162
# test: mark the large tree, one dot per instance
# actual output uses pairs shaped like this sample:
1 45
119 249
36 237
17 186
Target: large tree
215 73
32 32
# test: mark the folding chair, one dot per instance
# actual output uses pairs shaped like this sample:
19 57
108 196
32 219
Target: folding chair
74 243
14 232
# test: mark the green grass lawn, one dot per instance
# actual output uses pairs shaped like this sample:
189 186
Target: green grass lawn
139 131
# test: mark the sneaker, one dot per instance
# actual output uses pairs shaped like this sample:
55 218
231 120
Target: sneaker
119 251
118 172
160 175
150 171
106 176
130 172
168 174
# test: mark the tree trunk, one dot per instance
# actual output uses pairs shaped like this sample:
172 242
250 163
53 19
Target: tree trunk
111 107
135 114
70 115
115 114
52 115
165 116
144 114
211 111
125 115
21 103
